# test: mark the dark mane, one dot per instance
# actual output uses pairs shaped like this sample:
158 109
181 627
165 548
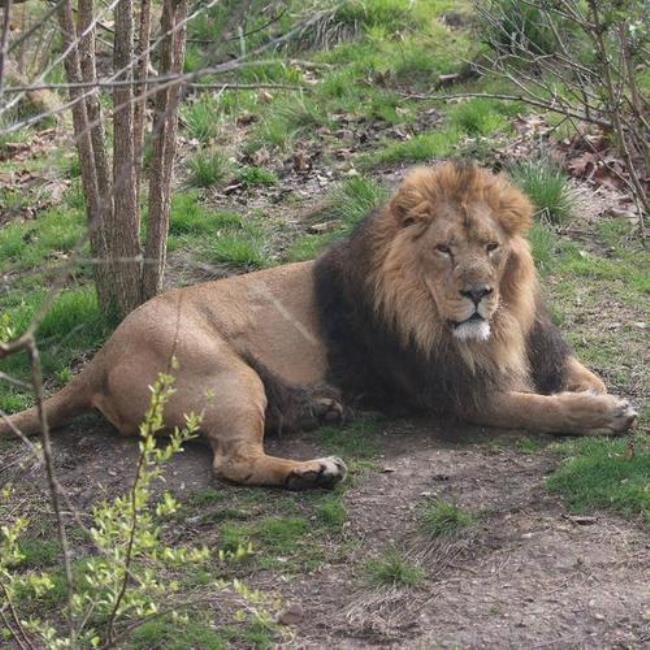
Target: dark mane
371 365
366 359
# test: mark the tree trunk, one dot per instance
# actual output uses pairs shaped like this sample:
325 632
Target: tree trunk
112 204
142 72
99 244
165 126
94 208
123 225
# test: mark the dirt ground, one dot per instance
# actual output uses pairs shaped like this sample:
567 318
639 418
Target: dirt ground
527 575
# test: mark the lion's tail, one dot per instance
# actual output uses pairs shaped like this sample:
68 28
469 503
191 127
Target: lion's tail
72 400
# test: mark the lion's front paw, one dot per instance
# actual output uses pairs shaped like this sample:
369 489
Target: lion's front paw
319 473
624 417
594 411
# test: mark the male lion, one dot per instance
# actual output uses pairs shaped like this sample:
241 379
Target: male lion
432 303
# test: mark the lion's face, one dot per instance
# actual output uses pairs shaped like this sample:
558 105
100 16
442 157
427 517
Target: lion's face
460 223
461 261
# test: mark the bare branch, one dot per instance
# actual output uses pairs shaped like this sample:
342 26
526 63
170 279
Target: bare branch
37 382
19 634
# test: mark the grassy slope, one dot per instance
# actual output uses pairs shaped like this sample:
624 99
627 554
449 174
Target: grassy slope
400 46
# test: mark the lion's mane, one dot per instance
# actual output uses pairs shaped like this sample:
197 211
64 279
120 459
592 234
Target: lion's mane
387 344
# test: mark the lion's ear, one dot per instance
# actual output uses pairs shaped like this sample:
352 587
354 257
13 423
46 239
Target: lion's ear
515 210
410 205
400 208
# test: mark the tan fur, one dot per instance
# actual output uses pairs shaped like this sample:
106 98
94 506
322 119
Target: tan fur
214 329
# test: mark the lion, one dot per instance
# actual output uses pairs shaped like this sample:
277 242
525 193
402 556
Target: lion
432 304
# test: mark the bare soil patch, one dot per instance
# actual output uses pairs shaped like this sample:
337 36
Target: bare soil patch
526 575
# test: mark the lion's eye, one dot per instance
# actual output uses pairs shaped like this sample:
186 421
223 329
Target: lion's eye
491 247
442 248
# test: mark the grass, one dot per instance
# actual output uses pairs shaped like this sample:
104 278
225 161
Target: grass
40 553
243 249
32 244
348 204
543 243
527 22
331 511
219 237
73 325
422 148
251 175
479 117
599 473
288 543
528 445
356 440
548 188
439 518
286 119
170 634
190 217
393 570
202 119
310 246
207 168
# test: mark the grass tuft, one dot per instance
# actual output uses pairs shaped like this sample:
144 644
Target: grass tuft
251 175
479 117
548 188
201 119
510 25
441 519
238 248
393 570
208 168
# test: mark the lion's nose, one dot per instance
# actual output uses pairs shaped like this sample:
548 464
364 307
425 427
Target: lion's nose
476 293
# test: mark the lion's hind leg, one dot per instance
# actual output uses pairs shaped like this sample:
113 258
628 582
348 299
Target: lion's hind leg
234 425
580 378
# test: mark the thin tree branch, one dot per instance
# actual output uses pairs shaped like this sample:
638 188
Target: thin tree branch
25 643
37 382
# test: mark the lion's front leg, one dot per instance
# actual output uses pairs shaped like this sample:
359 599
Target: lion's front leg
580 378
566 412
